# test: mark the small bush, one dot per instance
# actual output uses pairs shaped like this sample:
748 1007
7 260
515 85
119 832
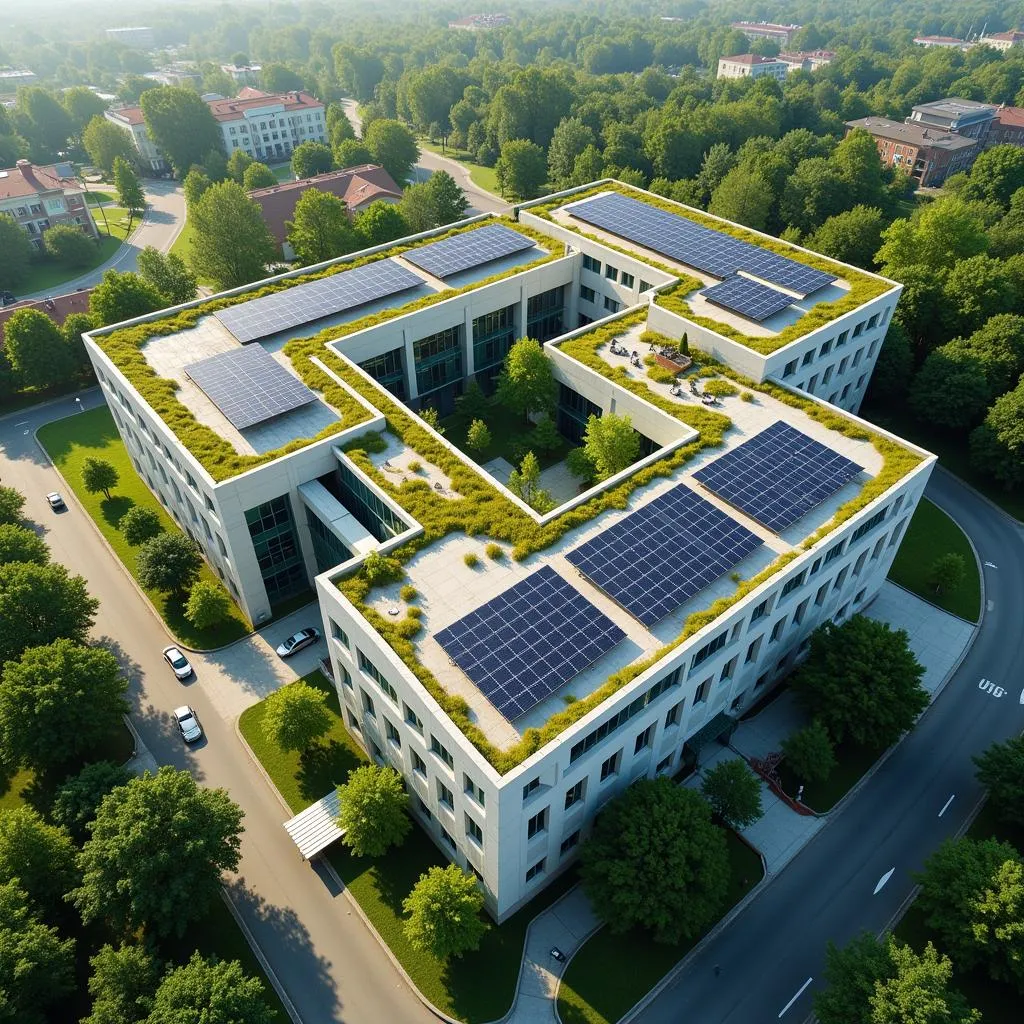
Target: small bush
495 552
659 374
746 396
415 466
651 338
409 627
707 371
414 611
372 442
722 388
379 569
471 560
408 592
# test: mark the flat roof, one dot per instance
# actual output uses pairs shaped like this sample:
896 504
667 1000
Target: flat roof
915 133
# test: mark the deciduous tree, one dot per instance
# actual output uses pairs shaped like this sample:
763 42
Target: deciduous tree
918 990
231 244
947 572
210 992
139 523
521 168
444 912
158 847
20 544
238 163
168 274
196 182
894 366
1001 771
11 504
478 437
393 147
611 443
122 984
321 228
169 562
181 125
809 753
524 482
296 716
380 222
129 189
745 197
571 137
950 390
351 152
208 604
997 446
851 974
36 349
655 859
98 475
852 236
734 792
105 142
16 252
258 175
69 245
123 297
41 857
82 105
311 158
527 382
77 798
372 810
862 681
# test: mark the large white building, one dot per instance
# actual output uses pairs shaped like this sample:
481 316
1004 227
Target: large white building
752 65
268 127
507 774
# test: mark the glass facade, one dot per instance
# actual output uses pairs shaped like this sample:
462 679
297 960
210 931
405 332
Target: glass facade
438 360
387 369
327 549
573 412
367 507
278 554
493 335
544 314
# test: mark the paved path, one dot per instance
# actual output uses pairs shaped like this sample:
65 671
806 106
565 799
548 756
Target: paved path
160 226
329 963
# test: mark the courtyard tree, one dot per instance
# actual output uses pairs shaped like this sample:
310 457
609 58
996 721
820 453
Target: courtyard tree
862 681
1001 771
372 810
208 604
139 523
527 382
478 437
122 984
296 716
809 753
168 273
77 798
947 572
655 859
444 912
40 604
20 544
210 992
734 792
156 853
321 228
524 483
60 689
169 562
98 475
611 443
310 159
231 243
41 857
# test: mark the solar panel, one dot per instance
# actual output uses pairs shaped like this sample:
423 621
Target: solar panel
696 246
249 385
452 255
778 475
748 298
292 307
520 647
652 560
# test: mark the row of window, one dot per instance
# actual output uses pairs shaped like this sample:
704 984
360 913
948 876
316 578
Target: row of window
839 368
612 274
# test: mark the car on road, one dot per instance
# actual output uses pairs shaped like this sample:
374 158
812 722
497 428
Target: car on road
297 641
188 725
55 501
179 663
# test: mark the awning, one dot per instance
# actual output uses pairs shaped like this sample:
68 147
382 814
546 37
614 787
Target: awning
720 724
315 828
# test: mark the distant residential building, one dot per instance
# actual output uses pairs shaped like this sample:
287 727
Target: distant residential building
12 78
751 65
58 307
136 37
942 42
928 155
807 60
968 118
180 74
481 22
1003 40
1008 128
246 74
267 127
781 34
40 197
356 187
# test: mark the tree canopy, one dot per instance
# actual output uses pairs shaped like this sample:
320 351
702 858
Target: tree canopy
527 382
444 912
393 146
611 443
170 562
36 349
16 252
320 229
210 992
122 984
734 792
372 810
20 544
1000 769
296 716
231 244
168 273
181 125
123 296
311 158
521 168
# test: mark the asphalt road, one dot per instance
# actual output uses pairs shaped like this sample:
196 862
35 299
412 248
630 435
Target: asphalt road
161 223
330 965
771 956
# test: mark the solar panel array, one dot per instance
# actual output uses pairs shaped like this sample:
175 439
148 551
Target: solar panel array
652 560
703 248
292 307
249 385
520 647
748 298
778 475
471 249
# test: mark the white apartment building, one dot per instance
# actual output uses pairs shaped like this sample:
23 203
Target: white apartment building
310 512
244 74
137 37
38 197
775 33
267 127
752 65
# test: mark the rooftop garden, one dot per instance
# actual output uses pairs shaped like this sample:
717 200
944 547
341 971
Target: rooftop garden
863 286
480 509
216 454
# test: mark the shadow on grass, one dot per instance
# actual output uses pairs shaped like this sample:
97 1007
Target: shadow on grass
324 767
114 508
852 761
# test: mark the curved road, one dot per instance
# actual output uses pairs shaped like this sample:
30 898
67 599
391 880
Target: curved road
329 963
776 946
161 224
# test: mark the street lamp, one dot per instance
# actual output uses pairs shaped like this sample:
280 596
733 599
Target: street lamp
78 402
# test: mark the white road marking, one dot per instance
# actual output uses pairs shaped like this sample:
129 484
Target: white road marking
989 605
945 806
800 992
1022 696
991 565
881 882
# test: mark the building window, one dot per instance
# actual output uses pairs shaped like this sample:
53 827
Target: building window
568 843
530 788
438 359
447 837
439 751
860 596
587 293
710 648
470 788
353 722
575 794
626 280
367 666
643 740
412 719
338 633
493 335
419 766
445 796
674 714
798 615
387 370
611 273
474 831
833 552
644 286
424 809
701 693
611 305
808 358
537 824
392 734
346 679
589 263
610 766
819 598
544 314
777 629
760 611
792 584
859 329
535 870
755 646
827 347
789 369
368 703
728 669
663 765
841 578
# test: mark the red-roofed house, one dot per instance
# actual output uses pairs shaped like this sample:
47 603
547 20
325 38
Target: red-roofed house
1004 40
356 187
751 65
267 127
39 197
1007 128
58 308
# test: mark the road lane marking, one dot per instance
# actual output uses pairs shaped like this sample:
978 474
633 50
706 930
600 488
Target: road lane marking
987 686
800 992
945 806
1022 696
881 882
992 565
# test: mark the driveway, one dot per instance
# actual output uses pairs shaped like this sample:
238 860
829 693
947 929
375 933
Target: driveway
328 962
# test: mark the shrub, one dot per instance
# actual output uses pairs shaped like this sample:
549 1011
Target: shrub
658 373
746 396
495 552
408 592
415 466
545 436
414 611
471 560
372 442
378 568
579 464
809 753
721 388
409 626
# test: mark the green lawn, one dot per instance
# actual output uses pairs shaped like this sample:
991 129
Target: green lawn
116 220
477 987
69 442
48 276
483 177
953 453
283 172
98 198
852 762
611 973
932 533
509 433
183 247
